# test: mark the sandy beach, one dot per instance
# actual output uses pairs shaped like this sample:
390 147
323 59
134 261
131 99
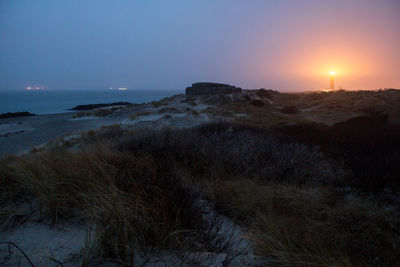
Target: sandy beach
21 134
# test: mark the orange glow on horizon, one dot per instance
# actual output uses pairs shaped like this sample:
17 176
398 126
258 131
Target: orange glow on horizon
306 66
347 60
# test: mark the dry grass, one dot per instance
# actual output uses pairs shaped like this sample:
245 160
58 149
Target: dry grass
189 100
102 112
130 200
141 189
193 112
264 119
136 115
163 102
209 110
309 226
167 116
322 107
170 110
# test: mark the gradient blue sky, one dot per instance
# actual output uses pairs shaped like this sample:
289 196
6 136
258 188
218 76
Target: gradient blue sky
285 45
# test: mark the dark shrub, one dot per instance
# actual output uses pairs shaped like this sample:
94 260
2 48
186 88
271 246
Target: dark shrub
257 103
290 110
368 145
223 150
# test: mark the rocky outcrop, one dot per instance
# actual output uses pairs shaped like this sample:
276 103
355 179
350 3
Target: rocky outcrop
203 88
15 114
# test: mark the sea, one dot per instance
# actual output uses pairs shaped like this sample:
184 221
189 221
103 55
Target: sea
58 101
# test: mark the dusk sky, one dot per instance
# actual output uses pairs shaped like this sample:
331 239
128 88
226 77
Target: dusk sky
287 45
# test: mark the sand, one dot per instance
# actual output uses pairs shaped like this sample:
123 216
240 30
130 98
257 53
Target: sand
19 135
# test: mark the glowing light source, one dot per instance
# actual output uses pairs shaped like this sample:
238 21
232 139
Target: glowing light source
332 82
35 88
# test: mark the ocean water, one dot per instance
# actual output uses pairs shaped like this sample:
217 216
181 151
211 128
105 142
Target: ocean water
58 101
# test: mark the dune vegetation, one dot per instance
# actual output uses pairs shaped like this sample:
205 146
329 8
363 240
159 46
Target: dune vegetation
99 112
327 197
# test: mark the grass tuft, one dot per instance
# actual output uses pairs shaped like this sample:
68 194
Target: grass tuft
143 192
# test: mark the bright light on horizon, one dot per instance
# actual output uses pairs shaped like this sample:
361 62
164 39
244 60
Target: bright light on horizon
333 73
35 88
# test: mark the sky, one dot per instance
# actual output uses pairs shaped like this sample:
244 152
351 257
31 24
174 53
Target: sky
286 45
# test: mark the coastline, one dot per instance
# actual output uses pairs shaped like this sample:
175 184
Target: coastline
261 108
237 153
21 134
45 102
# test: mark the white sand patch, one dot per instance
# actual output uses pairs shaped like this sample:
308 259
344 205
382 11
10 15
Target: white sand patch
83 118
171 259
268 100
308 109
13 127
201 107
42 243
38 147
71 137
150 117
238 251
189 119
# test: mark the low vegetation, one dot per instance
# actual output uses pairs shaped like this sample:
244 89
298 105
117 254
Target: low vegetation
136 115
300 197
169 110
209 110
191 112
101 112
102 105
133 200
189 100
163 102
290 110
367 145
16 114
257 103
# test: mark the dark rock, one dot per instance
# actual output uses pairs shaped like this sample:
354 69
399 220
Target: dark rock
205 88
15 114
94 106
